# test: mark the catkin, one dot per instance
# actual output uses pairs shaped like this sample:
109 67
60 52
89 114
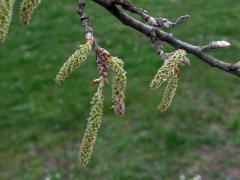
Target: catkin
26 10
169 93
73 62
6 10
94 122
167 68
118 85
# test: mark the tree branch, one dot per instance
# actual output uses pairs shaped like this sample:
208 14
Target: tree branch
152 31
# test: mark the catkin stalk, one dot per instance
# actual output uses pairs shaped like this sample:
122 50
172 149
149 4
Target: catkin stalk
118 85
94 123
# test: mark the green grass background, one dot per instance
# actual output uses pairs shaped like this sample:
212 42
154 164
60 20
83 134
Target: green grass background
41 124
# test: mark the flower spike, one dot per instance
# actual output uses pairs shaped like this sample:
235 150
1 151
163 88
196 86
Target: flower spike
94 123
6 9
26 10
166 69
73 62
118 85
169 93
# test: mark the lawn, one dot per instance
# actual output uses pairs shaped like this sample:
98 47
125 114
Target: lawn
42 124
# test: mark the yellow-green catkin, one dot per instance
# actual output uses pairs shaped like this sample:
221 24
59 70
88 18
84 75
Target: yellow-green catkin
118 85
94 122
26 10
169 93
6 10
73 62
167 68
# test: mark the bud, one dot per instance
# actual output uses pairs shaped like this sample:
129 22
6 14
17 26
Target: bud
237 65
219 44
6 9
95 81
169 93
94 123
152 22
167 68
73 62
185 61
182 19
118 85
89 37
26 10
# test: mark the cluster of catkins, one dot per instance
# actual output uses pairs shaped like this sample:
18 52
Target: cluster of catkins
6 11
96 113
169 71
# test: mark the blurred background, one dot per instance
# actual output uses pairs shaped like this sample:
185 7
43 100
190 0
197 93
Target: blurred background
42 124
